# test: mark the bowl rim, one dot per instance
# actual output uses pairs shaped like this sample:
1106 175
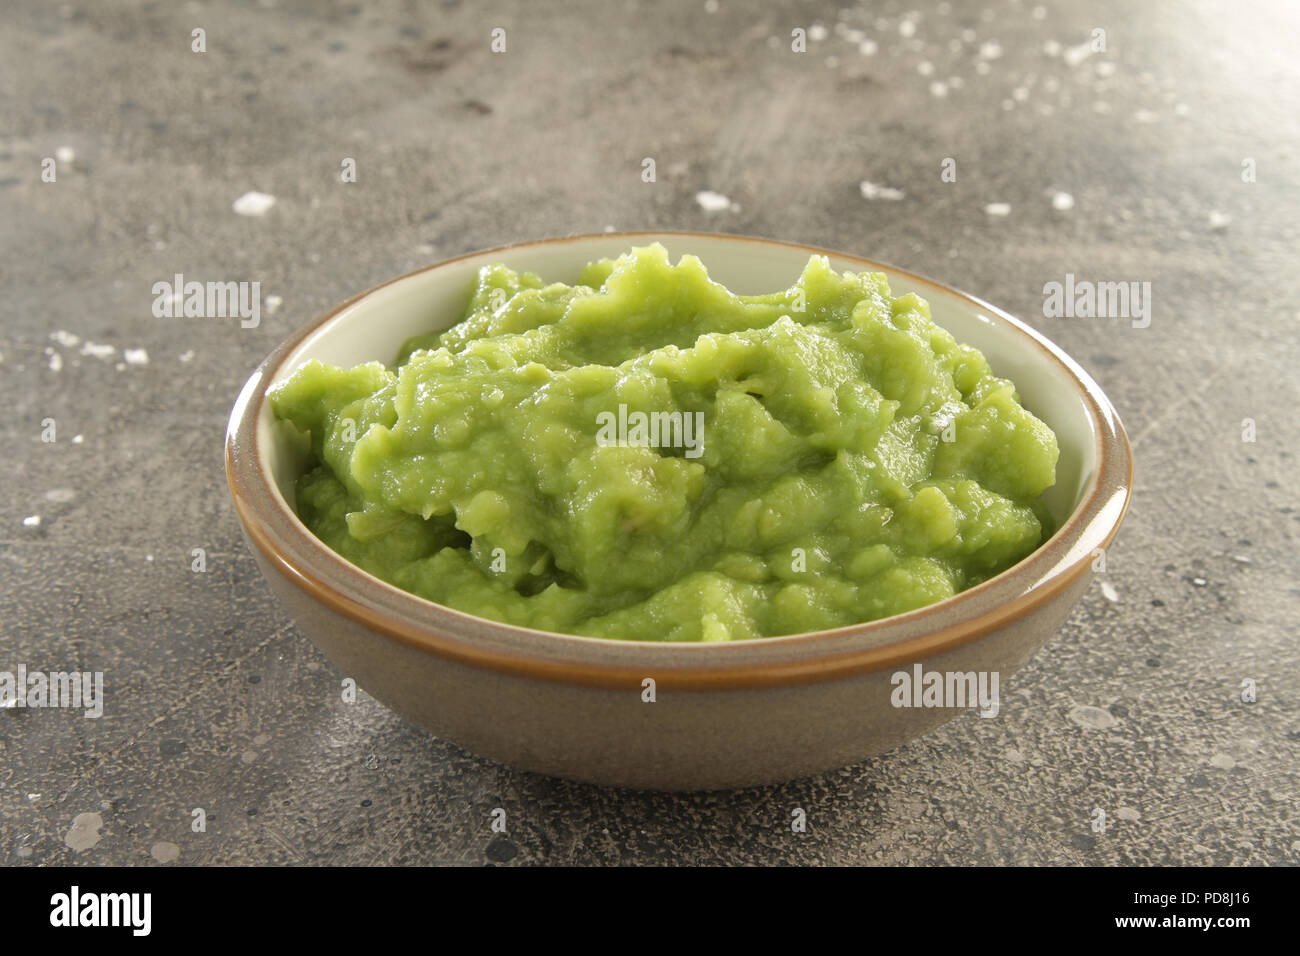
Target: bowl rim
285 545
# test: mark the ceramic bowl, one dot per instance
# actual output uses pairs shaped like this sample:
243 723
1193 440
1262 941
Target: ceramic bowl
723 715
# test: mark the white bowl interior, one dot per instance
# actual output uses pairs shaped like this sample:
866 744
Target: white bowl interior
375 327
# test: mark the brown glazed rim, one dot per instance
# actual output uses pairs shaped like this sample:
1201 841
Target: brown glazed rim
293 551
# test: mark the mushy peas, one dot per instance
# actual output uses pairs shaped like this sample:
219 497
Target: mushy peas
646 455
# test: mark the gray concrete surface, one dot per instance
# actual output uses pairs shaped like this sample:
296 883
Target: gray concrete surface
214 701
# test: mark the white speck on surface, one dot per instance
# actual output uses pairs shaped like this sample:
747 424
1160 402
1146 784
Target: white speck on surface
59 495
101 352
1109 593
938 90
187 355
1062 202
817 32
925 68
867 47
273 302
1092 718
85 831
1052 48
135 356
1182 109
1128 814
872 191
149 558
32 521
78 439
165 852
1219 220
998 209
907 28
1074 55
1105 68
56 361
1199 582
1222 762
712 202
253 204
66 155
990 50
66 339
1241 559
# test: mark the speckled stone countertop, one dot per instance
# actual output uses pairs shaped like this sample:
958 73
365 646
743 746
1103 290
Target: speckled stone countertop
1169 157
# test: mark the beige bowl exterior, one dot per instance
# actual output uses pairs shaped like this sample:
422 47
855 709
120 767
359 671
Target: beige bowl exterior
724 715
